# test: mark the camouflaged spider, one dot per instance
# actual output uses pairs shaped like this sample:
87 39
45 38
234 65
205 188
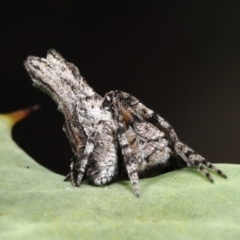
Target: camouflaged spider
97 127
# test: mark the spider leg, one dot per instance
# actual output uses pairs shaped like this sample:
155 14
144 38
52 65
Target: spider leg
202 168
110 103
127 154
67 178
209 165
72 175
202 163
198 161
78 165
83 161
78 145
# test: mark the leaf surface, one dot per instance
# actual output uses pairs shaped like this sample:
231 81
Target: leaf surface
35 203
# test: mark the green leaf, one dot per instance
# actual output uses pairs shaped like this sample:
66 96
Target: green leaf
35 203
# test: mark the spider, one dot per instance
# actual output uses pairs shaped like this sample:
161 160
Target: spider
97 127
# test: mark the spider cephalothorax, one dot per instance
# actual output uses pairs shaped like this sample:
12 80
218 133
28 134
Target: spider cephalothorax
97 126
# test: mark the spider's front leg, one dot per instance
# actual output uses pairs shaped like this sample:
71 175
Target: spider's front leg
129 159
128 156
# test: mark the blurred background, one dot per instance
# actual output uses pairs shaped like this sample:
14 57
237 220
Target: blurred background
180 58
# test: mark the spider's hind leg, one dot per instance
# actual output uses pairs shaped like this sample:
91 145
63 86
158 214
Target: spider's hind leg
213 168
194 159
111 103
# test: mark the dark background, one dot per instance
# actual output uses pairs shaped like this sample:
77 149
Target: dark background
180 58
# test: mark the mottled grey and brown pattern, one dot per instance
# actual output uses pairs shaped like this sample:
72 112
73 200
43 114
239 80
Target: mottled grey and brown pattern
96 127
90 130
